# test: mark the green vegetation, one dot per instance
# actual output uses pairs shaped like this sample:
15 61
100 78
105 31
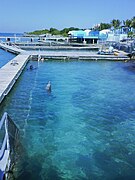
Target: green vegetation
53 31
39 32
115 23
133 22
130 34
103 26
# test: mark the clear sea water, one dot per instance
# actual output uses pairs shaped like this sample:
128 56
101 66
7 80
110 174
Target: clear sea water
5 57
10 34
5 35
16 37
84 129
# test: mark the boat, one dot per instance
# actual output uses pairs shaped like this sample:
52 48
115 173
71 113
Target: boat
107 51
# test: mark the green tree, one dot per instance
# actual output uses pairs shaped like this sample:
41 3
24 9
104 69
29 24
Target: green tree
104 26
54 31
64 32
116 23
130 34
39 32
133 22
127 23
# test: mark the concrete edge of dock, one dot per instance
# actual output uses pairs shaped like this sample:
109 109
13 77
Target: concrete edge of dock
12 70
88 58
10 73
78 57
121 56
12 49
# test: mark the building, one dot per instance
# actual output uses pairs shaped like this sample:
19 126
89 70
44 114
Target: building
114 35
94 36
84 36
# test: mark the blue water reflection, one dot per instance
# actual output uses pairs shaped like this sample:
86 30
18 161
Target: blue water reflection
5 57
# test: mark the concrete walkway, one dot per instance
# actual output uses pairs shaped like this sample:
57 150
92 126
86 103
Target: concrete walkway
67 54
10 73
78 55
13 49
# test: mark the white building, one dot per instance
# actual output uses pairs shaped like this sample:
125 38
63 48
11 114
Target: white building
111 35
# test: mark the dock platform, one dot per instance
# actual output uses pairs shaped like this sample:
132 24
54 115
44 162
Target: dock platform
77 55
11 71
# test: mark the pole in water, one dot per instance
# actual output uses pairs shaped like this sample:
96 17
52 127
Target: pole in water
39 57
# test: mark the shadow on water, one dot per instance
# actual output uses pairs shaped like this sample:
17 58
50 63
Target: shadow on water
32 168
85 163
99 162
127 177
130 67
113 166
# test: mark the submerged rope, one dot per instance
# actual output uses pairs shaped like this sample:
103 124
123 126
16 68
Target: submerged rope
31 98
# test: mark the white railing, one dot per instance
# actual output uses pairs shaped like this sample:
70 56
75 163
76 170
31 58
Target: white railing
9 138
5 147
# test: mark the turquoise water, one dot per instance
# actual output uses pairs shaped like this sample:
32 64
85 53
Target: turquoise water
84 129
5 57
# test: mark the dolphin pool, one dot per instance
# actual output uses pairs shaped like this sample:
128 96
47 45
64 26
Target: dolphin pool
84 129
5 57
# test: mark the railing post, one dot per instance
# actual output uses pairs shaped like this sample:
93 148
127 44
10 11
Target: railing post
6 130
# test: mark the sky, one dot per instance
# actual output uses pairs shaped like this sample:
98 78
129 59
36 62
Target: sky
30 15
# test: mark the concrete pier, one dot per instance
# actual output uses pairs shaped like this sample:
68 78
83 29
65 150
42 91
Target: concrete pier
77 55
10 73
14 49
84 55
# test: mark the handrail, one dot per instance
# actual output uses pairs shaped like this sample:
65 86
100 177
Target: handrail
7 146
6 132
3 119
3 148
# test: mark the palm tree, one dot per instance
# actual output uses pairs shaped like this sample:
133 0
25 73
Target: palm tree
116 23
104 26
113 22
133 22
127 23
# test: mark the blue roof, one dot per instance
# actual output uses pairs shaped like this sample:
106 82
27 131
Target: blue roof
79 33
94 33
82 34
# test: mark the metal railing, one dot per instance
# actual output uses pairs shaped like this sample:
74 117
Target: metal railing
9 137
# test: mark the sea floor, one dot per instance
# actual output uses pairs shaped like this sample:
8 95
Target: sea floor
83 129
